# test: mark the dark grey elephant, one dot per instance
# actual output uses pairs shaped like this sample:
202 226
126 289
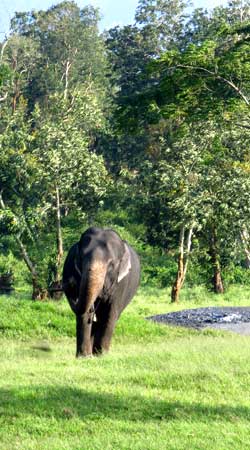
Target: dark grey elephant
100 277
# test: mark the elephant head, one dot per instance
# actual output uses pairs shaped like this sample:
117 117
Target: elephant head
100 261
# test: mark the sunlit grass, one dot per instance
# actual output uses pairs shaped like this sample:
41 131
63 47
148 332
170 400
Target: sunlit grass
160 387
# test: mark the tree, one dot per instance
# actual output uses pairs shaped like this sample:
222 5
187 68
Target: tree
158 25
226 183
205 78
20 187
53 86
205 25
71 50
20 55
172 200
74 176
162 22
200 83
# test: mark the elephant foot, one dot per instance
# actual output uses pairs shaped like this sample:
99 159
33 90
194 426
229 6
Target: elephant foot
100 351
84 355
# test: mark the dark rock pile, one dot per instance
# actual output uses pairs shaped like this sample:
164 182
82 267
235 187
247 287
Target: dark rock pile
229 318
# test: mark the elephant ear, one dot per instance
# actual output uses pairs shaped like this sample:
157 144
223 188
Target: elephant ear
76 260
125 264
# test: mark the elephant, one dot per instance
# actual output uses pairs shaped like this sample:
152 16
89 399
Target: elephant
101 275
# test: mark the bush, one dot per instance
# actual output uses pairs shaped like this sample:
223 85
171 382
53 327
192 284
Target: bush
236 275
7 263
158 271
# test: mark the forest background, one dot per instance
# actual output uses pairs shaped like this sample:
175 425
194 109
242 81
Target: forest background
143 128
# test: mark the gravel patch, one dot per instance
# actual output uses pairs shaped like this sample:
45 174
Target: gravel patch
236 319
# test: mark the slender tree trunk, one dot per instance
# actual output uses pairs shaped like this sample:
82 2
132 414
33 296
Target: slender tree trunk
180 272
67 68
215 258
245 241
14 102
183 258
59 238
38 293
16 93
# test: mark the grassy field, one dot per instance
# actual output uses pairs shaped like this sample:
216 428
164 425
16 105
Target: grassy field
160 387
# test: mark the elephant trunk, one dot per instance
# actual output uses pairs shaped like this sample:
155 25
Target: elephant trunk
92 282
91 285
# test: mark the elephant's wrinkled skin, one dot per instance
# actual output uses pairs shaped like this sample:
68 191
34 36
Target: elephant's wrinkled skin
100 277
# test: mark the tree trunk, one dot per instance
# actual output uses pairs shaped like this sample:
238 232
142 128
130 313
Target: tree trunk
38 293
66 74
59 239
245 241
183 258
215 258
55 284
16 93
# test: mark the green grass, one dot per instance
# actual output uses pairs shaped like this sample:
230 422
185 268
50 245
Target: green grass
160 387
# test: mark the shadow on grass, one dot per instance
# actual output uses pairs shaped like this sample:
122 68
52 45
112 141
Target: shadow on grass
66 403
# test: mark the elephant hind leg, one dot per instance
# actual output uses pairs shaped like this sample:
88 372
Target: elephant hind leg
102 340
96 337
104 328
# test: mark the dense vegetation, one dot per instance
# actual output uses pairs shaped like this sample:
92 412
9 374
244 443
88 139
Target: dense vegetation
144 128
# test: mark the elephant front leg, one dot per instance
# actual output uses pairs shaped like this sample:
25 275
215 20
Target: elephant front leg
84 342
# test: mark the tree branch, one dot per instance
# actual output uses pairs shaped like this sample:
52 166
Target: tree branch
218 77
242 125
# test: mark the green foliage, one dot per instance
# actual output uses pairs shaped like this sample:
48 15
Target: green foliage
144 128
61 146
213 66
191 178
4 74
8 222
54 109
5 80
233 274
70 50
162 21
159 272
7 263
